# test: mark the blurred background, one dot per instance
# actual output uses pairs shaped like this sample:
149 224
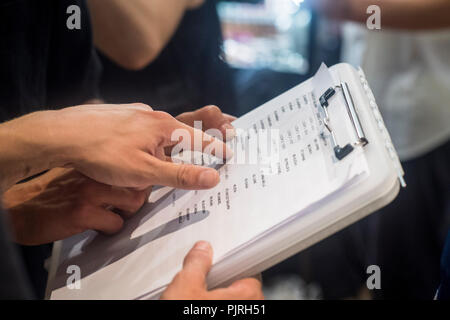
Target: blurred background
273 45
236 54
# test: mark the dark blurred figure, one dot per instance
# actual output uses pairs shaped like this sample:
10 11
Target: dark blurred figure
187 74
43 65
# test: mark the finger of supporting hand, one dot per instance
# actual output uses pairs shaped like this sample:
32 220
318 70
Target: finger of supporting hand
102 220
127 200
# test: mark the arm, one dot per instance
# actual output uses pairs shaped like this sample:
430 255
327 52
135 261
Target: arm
133 33
397 14
120 145
22 152
64 202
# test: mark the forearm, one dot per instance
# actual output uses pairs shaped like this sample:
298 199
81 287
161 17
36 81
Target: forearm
133 33
397 14
27 149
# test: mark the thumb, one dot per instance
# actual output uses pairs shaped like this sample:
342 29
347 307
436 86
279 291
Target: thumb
197 263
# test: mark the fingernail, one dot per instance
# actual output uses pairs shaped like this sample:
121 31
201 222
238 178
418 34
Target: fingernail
208 178
203 245
230 131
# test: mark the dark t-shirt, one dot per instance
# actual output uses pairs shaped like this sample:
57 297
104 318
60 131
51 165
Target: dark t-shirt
43 64
188 74
13 278
444 289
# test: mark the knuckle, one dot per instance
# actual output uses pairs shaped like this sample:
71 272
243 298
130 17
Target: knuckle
137 115
183 176
142 106
212 110
161 115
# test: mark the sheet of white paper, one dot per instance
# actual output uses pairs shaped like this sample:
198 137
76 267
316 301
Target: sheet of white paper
250 200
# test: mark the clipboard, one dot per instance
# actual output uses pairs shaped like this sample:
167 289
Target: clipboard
381 189
377 189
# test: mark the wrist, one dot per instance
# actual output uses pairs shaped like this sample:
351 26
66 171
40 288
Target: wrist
56 134
47 140
32 144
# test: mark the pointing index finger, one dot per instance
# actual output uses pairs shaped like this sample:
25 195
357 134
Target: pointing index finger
186 138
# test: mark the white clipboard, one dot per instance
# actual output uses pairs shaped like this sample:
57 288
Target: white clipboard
363 128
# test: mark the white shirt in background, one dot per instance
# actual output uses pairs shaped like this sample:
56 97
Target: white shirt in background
409 73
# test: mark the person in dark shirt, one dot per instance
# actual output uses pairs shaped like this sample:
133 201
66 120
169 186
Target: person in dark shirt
15 282
167 53
44 64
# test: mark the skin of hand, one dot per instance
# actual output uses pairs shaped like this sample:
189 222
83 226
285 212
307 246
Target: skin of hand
190 282
64 202
211 117
119 145
58 203
52 197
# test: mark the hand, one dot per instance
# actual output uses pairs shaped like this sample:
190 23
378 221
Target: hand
211 117
63 202
190 283
124 146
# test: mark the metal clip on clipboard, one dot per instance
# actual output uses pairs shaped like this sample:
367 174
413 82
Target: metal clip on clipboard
342 152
